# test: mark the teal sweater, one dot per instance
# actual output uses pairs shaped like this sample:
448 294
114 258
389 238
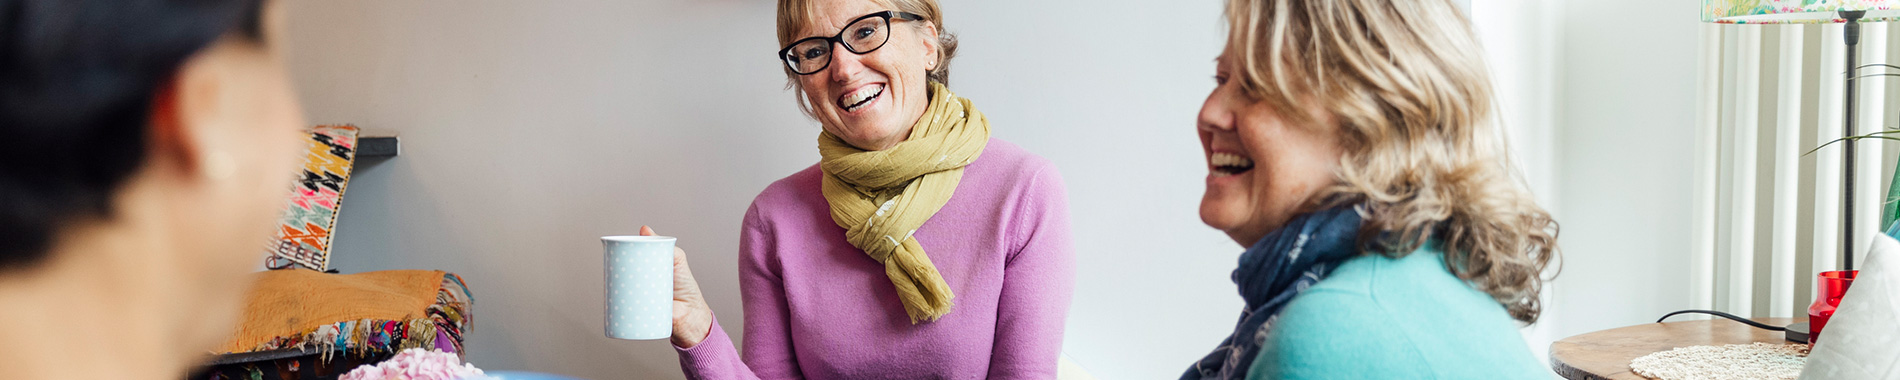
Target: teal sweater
1381 318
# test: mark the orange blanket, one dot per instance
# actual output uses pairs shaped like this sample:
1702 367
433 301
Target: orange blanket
292 302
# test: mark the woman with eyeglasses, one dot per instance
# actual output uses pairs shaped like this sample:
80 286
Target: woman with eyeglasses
1352 149
918 247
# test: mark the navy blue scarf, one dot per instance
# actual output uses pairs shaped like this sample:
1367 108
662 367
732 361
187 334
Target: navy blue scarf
1271 273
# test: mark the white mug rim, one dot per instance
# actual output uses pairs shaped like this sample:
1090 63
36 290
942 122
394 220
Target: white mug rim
638 239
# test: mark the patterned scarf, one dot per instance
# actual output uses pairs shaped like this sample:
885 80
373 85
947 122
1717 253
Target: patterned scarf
881 197
1271 273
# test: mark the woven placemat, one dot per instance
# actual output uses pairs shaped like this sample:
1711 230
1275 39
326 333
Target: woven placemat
1752 361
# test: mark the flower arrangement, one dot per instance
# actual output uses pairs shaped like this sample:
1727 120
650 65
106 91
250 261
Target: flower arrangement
417 364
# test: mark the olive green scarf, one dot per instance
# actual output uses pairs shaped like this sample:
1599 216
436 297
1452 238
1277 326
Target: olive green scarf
881 197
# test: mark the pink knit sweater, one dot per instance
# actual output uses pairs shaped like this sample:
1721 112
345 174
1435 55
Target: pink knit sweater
818 308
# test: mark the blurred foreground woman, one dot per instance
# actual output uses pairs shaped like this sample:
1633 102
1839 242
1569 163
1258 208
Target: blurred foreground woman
145 146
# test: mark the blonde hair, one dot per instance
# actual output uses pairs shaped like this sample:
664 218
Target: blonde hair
794 15
1414 107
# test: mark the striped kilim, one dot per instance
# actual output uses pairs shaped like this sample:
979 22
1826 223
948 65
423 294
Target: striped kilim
309 221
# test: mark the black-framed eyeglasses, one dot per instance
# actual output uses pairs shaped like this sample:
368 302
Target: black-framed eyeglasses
862 36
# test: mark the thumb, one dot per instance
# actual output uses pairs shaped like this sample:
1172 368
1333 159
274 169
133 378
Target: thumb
646 231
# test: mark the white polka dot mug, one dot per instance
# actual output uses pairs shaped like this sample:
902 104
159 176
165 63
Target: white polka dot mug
639 287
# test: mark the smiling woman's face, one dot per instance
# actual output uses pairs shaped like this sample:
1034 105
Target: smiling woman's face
870 100
1262 168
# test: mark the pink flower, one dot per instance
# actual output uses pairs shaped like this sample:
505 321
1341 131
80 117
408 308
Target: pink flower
416 364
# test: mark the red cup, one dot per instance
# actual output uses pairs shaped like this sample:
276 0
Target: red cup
1828 290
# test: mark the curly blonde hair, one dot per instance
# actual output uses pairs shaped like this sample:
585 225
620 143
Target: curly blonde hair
1423 155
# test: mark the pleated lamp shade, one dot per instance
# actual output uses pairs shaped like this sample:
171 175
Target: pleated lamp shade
1796 11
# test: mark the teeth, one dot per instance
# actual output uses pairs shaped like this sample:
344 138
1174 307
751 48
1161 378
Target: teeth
1231 160
851 102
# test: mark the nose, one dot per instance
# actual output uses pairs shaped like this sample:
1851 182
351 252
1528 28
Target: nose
844 63
1217 112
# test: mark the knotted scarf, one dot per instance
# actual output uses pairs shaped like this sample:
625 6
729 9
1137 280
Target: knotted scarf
1271 273
881 197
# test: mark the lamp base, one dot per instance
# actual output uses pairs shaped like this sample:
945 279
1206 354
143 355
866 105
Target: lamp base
1798 332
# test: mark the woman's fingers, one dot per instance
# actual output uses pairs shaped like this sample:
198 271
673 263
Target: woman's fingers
692 318
683 284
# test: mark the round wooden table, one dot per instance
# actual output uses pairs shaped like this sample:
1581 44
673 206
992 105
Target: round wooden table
1607 354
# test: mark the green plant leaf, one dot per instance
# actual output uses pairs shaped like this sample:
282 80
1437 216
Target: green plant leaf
1875 135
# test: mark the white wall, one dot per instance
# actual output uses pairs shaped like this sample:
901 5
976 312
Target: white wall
1520 40
532 128
1109 90
1599 102
1625 158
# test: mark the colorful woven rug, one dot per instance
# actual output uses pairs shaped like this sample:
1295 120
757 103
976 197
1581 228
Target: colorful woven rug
363 313
310 216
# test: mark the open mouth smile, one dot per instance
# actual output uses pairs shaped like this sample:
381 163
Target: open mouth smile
1223 164
858 99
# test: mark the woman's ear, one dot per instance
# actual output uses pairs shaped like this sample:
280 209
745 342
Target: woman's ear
169 144
932 45
179 121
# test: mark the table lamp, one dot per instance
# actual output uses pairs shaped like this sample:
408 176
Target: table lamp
1852 13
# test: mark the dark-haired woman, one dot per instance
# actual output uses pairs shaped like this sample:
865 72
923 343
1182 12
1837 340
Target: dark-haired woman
146 148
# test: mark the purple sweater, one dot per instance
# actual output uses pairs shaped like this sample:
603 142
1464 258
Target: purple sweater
818 308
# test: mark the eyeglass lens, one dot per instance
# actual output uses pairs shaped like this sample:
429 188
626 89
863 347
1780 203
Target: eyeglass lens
861 37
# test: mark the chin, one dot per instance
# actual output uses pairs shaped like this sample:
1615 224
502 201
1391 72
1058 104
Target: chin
868 131
1237 218
866 134
1216 214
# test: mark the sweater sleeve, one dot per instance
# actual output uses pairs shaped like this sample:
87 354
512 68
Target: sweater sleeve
714 358
768 341
1038 279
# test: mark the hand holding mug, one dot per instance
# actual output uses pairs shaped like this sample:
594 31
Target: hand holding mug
692 318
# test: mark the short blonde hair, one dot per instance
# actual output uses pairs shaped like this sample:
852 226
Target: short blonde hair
793 15
1414 105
